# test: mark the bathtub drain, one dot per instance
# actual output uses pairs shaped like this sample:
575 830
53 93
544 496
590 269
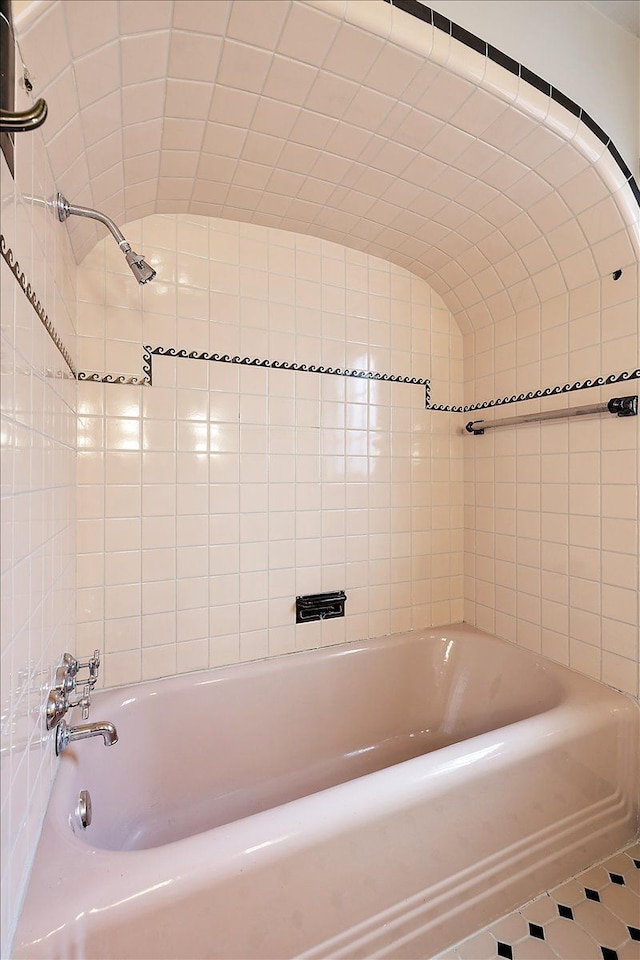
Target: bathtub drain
83 808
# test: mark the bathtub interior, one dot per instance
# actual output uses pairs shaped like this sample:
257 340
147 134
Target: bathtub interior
270 732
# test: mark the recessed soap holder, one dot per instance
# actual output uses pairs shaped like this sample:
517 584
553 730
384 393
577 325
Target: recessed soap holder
320 606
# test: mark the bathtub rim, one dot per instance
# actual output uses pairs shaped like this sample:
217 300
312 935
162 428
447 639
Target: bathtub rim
351 646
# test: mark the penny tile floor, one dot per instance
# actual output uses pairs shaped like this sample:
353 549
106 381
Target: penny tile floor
594 916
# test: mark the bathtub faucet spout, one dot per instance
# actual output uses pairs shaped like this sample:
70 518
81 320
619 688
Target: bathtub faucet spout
66 734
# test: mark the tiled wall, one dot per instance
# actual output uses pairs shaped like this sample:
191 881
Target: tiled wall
38 434
209 500
552 509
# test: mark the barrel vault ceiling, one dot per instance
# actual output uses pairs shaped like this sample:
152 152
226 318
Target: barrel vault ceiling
354 122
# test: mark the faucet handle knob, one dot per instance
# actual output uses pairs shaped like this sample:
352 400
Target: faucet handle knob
65 680
55 708
69 665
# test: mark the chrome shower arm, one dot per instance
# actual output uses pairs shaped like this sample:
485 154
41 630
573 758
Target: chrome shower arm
135 261
64 209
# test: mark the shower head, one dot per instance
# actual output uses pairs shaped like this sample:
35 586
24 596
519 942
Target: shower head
138 266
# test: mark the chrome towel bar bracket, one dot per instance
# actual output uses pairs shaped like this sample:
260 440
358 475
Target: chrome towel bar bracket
620 406
12 121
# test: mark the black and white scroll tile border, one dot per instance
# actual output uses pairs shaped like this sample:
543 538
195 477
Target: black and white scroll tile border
587 912
32 297
145 378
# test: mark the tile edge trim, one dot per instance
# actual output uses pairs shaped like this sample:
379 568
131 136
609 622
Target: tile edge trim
440 22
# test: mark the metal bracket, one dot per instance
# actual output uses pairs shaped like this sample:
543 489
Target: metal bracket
623 406
320 606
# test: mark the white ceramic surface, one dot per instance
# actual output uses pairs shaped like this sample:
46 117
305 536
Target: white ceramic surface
373 799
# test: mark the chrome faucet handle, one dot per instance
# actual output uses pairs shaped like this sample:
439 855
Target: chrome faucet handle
58 698
83 700
93 666
68 684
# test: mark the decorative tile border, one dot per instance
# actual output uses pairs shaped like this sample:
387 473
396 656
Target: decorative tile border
536 394
284 365
118 378
30 294
427 15
146 379
182 354
123 378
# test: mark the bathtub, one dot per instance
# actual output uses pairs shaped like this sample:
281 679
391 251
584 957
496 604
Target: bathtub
374 799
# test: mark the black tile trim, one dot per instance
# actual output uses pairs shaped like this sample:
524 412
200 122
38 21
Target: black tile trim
428 15
535 930
284 365
117 378
505 950
469 39
30 294
503 60
592 894
146 380
566 102
613 150
535 80
148 352
537 394
565 912
595 128
617 878
441 22
415 8
634 933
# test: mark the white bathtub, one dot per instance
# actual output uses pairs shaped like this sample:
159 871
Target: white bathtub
378 799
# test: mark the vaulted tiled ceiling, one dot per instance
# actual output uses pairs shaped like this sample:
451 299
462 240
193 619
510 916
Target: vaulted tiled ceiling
354 122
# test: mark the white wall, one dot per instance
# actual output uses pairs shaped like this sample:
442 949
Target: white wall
210 500
37 507
584 54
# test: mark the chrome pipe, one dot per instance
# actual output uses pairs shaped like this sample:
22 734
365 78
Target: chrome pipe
141 270
64 210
